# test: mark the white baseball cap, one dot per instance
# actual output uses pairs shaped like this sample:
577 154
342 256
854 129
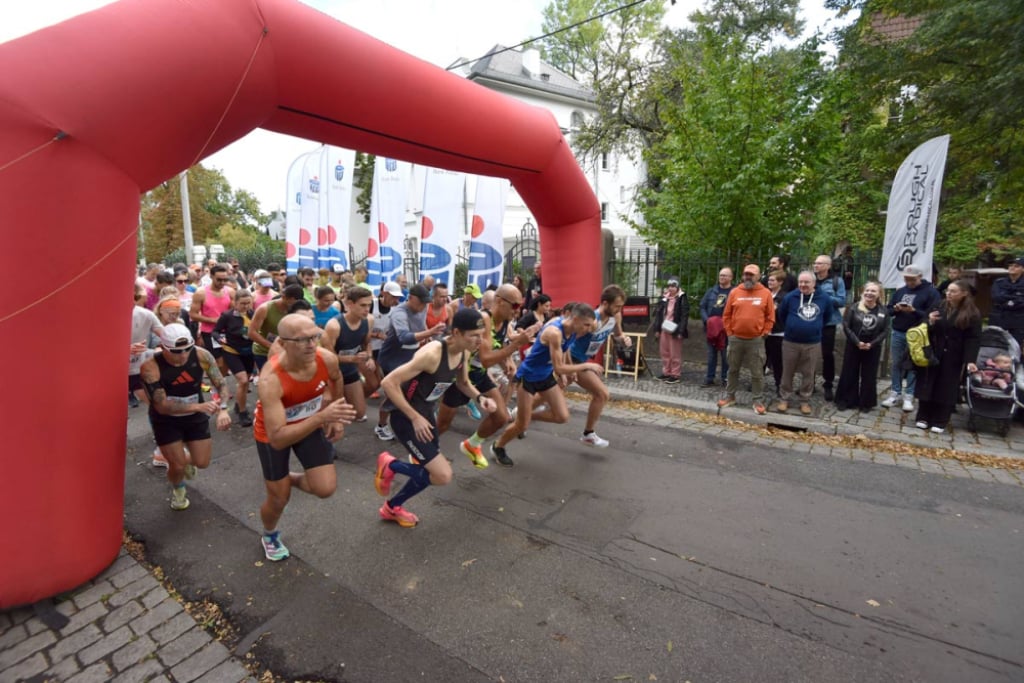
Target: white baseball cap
392 288
176 336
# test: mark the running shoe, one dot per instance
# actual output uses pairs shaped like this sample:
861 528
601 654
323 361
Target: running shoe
384 475
759 408
475 454
273 548
244 418
908 404
921 424
727 401
179 499
891 402
384 432
500 456
375 394
512 412
474 410
398 514
361 419
158 459
190 471
592 439
938 430
805 408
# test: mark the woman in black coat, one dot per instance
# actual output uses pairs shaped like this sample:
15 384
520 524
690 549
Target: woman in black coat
954 332
866 325
675 309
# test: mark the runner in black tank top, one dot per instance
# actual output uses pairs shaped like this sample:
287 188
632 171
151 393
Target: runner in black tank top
413 389
352 346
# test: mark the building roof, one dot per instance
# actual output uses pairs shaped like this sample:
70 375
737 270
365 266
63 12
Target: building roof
503 65
890 29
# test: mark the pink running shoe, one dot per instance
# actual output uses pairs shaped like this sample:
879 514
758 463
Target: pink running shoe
383 477
403 517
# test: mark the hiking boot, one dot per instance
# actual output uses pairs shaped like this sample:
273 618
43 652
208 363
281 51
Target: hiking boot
384 432
179 500
805 409
383 476
403 517
592 439
891 402
273 548
908 404
475 454
500 456
727 401
782 406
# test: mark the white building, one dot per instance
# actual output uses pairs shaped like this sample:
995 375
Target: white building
522 75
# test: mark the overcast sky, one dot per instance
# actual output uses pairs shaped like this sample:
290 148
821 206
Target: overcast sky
437 31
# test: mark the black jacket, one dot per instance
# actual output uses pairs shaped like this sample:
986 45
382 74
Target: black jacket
679 316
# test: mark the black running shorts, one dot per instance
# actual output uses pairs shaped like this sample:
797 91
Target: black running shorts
313 451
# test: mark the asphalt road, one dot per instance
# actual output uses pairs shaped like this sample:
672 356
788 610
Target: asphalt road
669 556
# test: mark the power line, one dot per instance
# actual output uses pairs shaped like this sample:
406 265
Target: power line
548 35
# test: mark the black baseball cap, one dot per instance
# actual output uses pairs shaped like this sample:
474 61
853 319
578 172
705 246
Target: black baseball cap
420 292
467 319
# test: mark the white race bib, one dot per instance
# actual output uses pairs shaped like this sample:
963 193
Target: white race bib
184 400
301 411
594 347
439 390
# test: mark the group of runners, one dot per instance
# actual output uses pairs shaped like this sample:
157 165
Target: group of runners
312 382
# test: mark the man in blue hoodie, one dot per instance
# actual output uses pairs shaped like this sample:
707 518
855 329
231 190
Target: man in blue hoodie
712 305
804 311
909 306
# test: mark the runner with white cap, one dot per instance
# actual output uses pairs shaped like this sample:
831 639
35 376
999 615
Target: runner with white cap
178 411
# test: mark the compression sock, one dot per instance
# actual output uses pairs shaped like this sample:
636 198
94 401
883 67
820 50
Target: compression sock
417 482
476 439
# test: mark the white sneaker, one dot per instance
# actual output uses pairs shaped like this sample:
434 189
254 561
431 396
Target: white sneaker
893 399
938 430
512 412
921 424
158 459
384 433
908 404
592 439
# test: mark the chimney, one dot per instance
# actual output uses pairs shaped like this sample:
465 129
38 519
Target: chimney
531 62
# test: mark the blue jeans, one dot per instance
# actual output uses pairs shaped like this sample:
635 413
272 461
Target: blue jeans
713 354
898 353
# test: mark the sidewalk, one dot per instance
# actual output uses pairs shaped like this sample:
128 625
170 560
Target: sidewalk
881 423
121 626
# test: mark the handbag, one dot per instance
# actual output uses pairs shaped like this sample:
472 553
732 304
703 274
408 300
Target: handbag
669 326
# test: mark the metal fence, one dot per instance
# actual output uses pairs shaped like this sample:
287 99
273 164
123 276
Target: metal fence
643 272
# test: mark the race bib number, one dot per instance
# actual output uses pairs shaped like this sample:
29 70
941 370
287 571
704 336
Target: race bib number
301 411
439 390
350 352
594 347
184 400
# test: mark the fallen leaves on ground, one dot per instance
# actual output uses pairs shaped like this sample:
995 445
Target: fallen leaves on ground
859 441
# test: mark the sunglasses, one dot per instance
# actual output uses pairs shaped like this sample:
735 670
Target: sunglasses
182 282
185 349
514 305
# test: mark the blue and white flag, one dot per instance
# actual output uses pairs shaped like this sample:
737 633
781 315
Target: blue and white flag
441 226
387 213
487 248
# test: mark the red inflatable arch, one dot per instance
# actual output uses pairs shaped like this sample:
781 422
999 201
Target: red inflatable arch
104 106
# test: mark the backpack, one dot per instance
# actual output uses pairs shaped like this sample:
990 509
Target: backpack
919 347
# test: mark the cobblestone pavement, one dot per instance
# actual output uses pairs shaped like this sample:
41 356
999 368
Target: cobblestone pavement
121 626
892 425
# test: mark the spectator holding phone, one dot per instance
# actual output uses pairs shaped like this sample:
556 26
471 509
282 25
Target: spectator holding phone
909 306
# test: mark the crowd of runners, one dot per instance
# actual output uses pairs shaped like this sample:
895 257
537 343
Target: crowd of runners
316 347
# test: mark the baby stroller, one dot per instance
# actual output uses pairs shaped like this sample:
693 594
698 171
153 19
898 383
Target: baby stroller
997 400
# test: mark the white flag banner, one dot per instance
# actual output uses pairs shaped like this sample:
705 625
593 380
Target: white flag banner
487 248
441 227
309 212
913 212
336 166
387 212
293 214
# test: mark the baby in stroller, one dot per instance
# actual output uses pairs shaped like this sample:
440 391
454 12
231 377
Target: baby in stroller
996 371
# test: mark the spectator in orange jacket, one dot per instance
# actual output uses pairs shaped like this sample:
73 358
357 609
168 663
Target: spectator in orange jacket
748 317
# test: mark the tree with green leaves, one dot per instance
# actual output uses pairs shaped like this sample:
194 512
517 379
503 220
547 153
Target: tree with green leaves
213 206
959 71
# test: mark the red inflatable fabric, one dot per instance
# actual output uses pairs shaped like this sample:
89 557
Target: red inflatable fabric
102 107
